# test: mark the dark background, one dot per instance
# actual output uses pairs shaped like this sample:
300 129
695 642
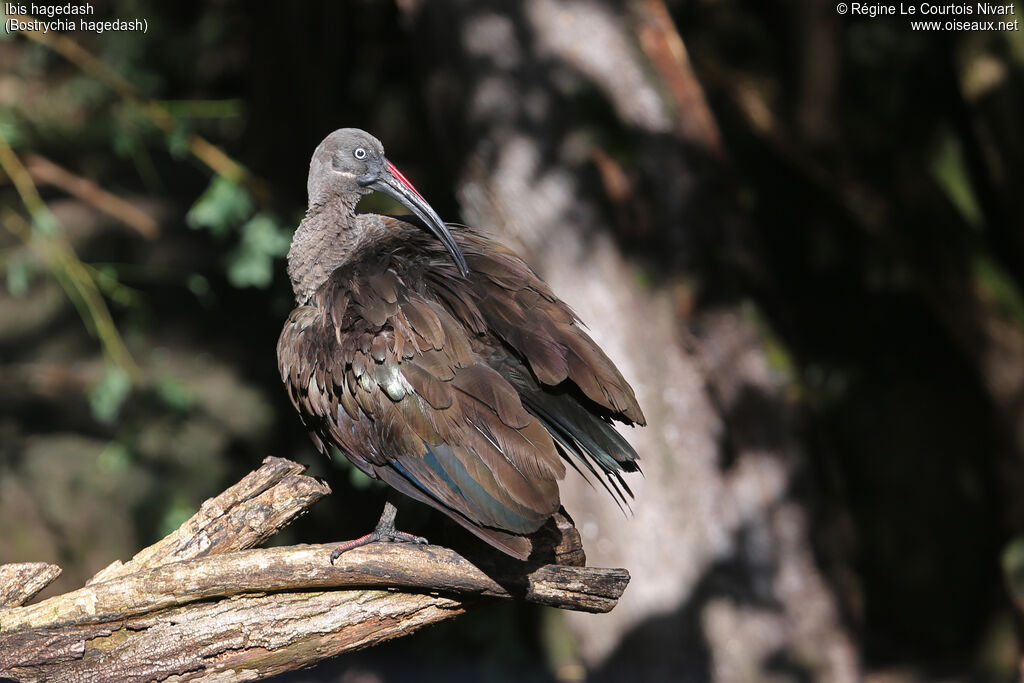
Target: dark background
836 197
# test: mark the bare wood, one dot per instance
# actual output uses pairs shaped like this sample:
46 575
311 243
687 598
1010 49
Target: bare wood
244 516
400 566
45 172
243 638
200 605
20 582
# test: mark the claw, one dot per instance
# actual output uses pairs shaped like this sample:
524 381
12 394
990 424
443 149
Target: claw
384 533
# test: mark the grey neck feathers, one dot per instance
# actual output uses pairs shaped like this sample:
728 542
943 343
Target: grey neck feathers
329 237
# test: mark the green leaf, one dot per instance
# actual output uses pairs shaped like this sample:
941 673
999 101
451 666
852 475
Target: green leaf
108 394
251 264
45 223
116 457
176 514
949 168
10 127
177 141
123 140
174 394
996 285
19 277
248 268
197 284
221 207
4 33
1013 566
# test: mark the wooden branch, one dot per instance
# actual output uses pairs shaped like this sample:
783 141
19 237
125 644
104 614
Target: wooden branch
45 172
664 47
401 566
242 638
20 582
200 604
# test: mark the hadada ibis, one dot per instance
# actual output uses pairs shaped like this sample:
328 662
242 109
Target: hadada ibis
437 361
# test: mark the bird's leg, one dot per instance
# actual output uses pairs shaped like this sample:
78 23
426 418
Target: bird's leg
384 532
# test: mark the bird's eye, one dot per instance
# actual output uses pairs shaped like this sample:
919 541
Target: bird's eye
360 153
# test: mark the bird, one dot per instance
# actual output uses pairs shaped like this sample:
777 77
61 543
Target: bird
437 361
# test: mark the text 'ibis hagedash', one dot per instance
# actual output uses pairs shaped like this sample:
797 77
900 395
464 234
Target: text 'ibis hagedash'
437 361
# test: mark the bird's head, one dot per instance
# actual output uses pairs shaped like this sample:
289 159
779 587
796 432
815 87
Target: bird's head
350 162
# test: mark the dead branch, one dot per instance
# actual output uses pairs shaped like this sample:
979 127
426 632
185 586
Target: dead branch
45 172
200 604
20 582
664 47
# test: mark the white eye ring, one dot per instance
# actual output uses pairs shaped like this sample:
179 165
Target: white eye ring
360 153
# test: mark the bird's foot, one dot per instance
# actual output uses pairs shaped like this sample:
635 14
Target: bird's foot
384 533
376 536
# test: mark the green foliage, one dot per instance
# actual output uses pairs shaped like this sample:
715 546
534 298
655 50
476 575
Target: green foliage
221 207
995 284
197 284
642 278
19 276
174 394
776 352
109 393
10 127
84 91
4 33
177 142
108 280
176 513
215 109
45 223
116 457
128 128
948 167
1013 566
251 264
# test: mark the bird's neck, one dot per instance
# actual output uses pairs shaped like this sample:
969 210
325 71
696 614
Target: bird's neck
329 237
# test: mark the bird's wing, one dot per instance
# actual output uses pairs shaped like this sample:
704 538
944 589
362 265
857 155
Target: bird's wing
538 344
392 378
512 302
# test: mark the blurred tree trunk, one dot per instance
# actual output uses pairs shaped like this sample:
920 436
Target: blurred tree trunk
536 102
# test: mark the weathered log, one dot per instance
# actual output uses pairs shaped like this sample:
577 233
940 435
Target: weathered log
399 566
201 605
20 582
236 639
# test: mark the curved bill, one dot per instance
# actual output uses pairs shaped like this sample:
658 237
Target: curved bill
391 182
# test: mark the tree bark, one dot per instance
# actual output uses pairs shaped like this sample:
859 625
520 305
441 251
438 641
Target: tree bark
20 582
201 605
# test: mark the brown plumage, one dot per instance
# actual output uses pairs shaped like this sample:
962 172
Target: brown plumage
442 364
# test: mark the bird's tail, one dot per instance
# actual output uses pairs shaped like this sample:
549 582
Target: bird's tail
586 441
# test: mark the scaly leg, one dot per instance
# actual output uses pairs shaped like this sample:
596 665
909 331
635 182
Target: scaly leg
384 532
